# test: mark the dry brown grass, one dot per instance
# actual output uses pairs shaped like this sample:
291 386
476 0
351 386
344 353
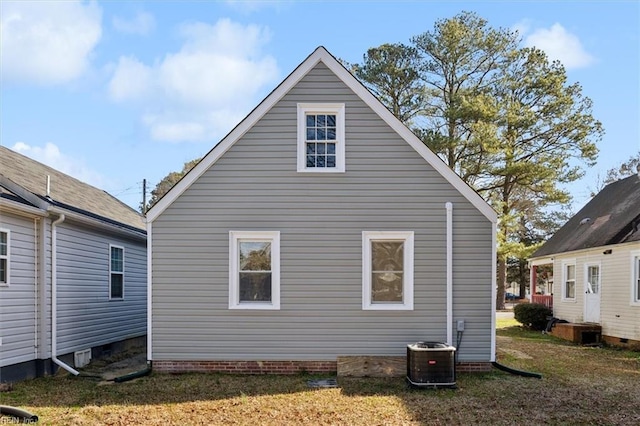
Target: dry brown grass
581 386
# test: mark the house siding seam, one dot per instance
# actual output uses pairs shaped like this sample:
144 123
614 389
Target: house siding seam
255 185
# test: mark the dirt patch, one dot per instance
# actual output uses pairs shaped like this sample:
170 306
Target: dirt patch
110 368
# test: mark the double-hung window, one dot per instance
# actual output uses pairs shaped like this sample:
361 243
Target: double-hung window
254 270
635 278
4 257
569 288
116 272
387 270
321 140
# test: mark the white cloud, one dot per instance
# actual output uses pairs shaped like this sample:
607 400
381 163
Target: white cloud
131 80
48 42
143 23
559 44
217 72
51 156
250 6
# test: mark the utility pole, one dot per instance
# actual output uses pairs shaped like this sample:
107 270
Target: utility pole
144 197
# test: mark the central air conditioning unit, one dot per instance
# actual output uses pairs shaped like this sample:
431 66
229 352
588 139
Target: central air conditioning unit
431 364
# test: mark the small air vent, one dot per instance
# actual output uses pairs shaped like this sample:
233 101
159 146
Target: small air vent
431 364
82 358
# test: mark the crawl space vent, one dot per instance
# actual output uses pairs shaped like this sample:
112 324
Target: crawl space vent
82 358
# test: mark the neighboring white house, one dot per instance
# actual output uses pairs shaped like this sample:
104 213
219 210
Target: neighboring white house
320 227
596 263
72 270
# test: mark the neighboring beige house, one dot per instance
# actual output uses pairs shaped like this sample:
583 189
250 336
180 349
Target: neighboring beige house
596 264
320 227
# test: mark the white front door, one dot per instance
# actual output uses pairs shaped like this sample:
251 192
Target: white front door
592 289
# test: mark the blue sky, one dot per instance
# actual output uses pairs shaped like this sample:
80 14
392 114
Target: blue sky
114 92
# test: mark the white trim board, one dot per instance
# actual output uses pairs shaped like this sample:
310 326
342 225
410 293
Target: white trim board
321 55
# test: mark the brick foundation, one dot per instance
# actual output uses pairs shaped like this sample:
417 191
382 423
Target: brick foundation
245 367
279 367
622 342
473 367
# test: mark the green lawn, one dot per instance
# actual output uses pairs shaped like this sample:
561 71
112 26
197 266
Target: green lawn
580 385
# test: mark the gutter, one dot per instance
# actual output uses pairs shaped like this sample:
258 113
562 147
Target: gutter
449 206
54 296
95 222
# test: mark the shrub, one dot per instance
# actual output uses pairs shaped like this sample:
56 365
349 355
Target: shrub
532 315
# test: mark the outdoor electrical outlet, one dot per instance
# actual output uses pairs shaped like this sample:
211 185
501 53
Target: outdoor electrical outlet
460 325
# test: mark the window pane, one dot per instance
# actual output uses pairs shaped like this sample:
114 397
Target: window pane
3 243
311 120
571 290
311 148
331 160
3 270
386 287
331 134
117 262
593 279
321 148
321 135
571 272
255 286
311 161
331 148
116 286
387 256
311 134
331 120
255 255
387 261
321 120
320 162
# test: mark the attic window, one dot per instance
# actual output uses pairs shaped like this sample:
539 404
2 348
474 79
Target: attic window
321 142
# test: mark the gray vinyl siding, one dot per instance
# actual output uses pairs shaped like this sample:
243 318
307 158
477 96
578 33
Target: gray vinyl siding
18 300
387 186
86 316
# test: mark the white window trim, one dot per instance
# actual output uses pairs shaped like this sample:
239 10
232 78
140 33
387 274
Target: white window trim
116 272
586 276
635 272
407 285
234 285
8 257
339 111
566 263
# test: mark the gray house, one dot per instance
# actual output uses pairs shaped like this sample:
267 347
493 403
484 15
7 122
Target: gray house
320 227
72 271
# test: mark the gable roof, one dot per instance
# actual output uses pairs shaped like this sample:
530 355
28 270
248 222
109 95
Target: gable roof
27 179
321 55
611 217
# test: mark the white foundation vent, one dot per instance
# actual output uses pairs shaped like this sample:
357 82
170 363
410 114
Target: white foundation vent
82 358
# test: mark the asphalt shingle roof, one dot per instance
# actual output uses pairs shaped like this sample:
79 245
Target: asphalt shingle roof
65 190
611 217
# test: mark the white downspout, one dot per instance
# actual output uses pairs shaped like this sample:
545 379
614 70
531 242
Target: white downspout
54 297
449 207
36 260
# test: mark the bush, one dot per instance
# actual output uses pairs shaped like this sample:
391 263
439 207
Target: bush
532 315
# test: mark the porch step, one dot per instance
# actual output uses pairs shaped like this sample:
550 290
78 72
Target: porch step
580 333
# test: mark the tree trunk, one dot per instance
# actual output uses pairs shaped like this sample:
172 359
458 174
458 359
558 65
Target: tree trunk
502 279
524 278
